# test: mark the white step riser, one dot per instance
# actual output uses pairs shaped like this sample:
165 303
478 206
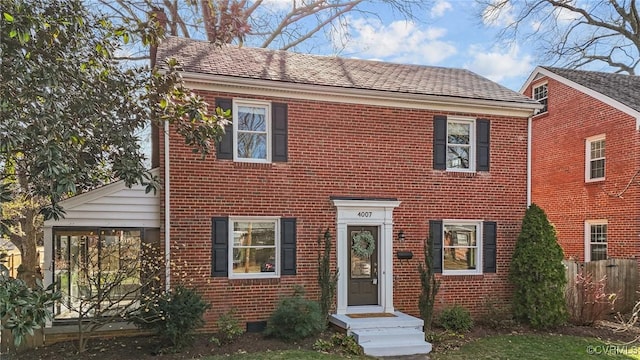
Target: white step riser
390 338
397 350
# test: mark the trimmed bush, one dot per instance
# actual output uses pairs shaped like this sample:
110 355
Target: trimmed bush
537 273
295 318
456 318
174 315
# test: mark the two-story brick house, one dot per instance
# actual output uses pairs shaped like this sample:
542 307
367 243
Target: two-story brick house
586 160
395 151
383 155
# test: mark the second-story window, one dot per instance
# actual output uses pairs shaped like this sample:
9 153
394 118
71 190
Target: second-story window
460 139
251 127
540 95
595 158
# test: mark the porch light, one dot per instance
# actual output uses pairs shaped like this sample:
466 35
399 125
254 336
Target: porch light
401 236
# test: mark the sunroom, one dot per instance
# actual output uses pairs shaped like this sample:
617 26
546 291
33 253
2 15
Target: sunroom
104 235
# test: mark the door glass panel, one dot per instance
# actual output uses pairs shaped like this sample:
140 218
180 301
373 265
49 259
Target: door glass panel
361 267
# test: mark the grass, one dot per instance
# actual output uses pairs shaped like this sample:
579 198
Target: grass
539 347
498 347
283 355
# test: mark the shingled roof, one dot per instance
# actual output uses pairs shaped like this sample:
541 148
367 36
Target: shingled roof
202 57
622 88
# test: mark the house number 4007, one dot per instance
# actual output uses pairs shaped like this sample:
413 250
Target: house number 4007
364 214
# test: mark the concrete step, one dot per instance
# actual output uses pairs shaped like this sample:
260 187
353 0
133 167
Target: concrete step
389 335
399 349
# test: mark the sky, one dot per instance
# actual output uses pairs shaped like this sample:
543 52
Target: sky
450 33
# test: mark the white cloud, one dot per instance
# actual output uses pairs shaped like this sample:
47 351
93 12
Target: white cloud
399 41
498 14
439 8
500 65
277 4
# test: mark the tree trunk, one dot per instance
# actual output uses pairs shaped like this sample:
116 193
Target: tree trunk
30 270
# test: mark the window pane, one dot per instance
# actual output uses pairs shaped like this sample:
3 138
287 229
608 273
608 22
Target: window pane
254 260
252 118
459 258
458 157
598 252
458 133
252 146
597 169
254 234
597 149
599 233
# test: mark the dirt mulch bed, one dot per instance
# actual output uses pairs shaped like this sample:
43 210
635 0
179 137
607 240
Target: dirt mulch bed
146 348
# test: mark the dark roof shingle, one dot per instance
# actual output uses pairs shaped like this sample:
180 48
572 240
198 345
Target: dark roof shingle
264 64
620 87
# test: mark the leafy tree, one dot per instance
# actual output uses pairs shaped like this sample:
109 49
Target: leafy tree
71 112
267 24
572 33
537 273
23 309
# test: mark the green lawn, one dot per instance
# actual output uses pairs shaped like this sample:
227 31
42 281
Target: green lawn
283 355
499 347
540 347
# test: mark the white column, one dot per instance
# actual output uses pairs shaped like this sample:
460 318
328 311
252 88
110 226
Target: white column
342 259
386 289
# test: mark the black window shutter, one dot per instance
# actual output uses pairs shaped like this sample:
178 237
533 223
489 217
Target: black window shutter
288 246
224 148
435 231
279 128
440 142
482 144
489 230
220 246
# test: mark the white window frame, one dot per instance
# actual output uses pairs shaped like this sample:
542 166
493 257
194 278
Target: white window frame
478 225
265 275
587 237
256 103
546 96
472 143
588 159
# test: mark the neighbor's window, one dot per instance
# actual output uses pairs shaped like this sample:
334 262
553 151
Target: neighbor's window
251 127
540 95
595 156
461 247
254 247
595 240
460 144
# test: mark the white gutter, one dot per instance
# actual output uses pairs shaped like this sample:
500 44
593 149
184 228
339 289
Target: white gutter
529 131
167 210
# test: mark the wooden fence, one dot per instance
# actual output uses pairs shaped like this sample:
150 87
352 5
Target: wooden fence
621 278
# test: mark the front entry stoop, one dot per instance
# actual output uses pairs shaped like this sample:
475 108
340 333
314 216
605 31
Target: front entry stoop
399 335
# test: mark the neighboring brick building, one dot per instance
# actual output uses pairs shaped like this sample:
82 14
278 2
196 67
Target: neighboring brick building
381 152
586 160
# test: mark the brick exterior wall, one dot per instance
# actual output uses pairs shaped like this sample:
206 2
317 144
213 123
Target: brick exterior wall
347 150
558 168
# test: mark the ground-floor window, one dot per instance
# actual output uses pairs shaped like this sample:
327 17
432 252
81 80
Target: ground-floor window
98 267
595 240
461 247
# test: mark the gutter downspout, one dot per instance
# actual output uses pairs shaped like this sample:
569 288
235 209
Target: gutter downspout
529 130
167 210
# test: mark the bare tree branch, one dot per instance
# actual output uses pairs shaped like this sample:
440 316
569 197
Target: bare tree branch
572 33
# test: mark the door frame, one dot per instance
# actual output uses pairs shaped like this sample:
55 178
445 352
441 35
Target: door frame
365 212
